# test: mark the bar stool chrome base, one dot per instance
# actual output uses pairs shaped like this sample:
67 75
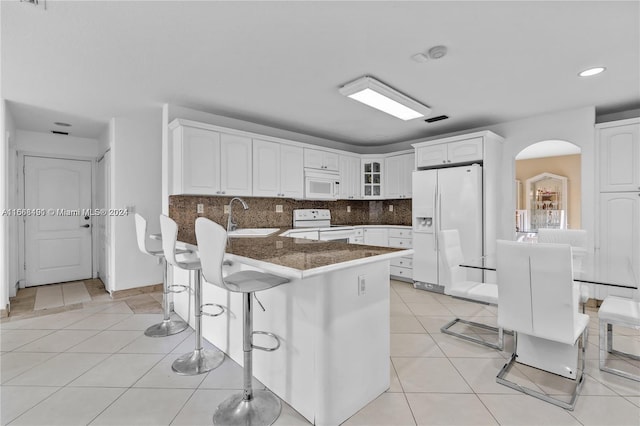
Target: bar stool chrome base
263 409
197 362
166 328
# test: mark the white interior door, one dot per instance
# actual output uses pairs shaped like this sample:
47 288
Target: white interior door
57 244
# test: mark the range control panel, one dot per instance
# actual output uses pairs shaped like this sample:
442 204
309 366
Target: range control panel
312 214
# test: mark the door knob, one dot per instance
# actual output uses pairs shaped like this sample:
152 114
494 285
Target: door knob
85 226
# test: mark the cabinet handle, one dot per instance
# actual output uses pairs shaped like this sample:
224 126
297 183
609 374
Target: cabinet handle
444 161
217 192
449 160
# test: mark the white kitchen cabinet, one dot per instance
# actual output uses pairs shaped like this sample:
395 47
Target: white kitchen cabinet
397 176
619 232
376 237
207 162
291 171
619 156
319 159
196 156
235 165
349 177
277 170
371 178
455 152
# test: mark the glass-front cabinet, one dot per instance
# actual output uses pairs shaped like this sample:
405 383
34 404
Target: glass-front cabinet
372 178
546 202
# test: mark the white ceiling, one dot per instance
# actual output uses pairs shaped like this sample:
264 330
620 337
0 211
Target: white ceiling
281 63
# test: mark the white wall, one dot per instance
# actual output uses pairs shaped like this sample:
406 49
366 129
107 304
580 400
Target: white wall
7 130
136 165
575 126
49 143
12 202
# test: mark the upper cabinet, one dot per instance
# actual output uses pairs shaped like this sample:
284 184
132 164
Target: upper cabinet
444 154
277 170
349 177
371 173
319 159
619 156
398 176
207 162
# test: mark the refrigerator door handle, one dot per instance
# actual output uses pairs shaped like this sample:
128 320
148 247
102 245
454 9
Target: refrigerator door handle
436 218
438 215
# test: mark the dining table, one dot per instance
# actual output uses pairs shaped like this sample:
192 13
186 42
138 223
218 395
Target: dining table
588 268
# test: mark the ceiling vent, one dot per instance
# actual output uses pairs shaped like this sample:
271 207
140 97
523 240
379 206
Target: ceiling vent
438 118
58 132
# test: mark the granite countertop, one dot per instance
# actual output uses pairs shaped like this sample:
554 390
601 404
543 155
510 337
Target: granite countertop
303 258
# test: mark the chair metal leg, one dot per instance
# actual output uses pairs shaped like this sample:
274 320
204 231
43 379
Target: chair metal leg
501 377
200 360
499 345
168 326
606 341
251 407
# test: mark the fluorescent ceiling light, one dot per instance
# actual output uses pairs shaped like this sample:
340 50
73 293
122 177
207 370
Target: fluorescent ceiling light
592 71
378 95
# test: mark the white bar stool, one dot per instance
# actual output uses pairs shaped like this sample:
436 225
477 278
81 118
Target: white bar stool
200 360
168 326
260 407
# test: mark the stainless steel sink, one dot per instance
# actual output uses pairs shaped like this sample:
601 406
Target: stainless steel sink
252 232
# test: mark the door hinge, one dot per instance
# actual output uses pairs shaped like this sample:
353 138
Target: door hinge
25 266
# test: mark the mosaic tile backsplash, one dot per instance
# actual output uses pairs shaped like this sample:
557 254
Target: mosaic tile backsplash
262 212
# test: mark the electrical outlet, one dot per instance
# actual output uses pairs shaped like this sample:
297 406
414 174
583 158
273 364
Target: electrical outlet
279 208
348 209
200 208
362 285
279 244
226 209
390 207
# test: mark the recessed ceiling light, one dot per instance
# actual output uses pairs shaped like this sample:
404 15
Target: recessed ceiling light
60 123
437 52
592 71
378 95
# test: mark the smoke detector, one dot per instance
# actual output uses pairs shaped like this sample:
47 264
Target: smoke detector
437 52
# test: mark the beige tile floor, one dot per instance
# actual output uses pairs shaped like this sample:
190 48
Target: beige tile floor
94 366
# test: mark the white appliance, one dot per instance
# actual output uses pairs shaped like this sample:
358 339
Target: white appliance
448 198
321 185
320 219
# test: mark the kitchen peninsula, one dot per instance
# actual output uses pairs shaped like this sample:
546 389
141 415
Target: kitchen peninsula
332 319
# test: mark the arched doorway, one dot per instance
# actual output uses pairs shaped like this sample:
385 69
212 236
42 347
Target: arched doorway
548 186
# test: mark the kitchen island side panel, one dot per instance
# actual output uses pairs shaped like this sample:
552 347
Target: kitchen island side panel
334 354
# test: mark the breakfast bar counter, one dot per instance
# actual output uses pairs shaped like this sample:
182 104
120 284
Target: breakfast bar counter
332 319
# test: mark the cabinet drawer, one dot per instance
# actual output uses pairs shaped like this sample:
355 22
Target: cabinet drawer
399 233
356 240
359 232
402 262
400 242
401 272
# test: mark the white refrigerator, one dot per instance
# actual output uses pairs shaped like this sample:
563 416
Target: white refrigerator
448 198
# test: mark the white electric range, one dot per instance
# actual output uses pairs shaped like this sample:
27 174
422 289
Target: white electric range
320 219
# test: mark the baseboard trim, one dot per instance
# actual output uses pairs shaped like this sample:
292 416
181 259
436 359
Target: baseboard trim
4 313
120 294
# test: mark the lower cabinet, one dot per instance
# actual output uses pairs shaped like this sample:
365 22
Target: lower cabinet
401 268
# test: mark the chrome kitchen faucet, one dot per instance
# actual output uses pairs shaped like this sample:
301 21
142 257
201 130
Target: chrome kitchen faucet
231 225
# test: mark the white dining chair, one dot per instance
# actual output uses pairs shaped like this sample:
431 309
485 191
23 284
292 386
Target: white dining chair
458 286
577 239
538 300
623 312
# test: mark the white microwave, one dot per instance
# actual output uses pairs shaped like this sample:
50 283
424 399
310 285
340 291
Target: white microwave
321 185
